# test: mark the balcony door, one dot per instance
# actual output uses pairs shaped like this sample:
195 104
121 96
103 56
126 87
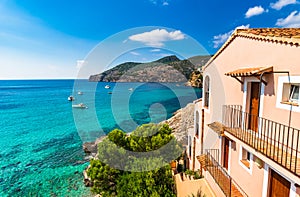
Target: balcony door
253 107
225 153
279 187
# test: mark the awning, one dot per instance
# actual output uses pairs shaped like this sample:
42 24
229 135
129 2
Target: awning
249 72
217 127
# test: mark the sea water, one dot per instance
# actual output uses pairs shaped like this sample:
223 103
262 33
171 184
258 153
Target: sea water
41 135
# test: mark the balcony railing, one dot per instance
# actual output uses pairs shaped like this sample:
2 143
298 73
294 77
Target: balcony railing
278 142
222 178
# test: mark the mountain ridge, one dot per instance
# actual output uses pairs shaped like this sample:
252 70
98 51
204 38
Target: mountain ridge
166 69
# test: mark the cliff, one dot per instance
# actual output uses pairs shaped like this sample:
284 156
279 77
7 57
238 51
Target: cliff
181 122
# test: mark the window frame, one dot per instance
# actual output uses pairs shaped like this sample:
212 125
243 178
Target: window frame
206 92
292 92
283 100
244 161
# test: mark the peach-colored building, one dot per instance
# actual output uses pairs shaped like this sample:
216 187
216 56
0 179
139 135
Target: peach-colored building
247 126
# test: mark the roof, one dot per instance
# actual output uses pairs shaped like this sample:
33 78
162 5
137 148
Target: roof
275 35
245 72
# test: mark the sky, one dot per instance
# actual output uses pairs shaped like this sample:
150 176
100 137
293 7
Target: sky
55 39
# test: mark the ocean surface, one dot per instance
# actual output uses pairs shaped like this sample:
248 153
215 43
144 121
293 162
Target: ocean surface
41 135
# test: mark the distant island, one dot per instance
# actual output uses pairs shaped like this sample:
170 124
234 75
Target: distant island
166 69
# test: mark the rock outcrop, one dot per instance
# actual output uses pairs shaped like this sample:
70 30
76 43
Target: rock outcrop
91 148
195 79
181 122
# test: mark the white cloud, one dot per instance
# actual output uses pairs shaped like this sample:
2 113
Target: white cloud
157 37
134 53
160 2
221 38
80 63
257 10
292 20
155 50
281 3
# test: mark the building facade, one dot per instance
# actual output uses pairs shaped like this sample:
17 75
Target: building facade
247 125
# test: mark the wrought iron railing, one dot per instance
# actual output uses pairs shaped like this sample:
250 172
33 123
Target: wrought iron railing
219 174
280 143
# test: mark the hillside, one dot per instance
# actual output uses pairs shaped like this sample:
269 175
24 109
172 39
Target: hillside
167 69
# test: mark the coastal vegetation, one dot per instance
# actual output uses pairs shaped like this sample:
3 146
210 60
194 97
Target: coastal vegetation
135 164
166 69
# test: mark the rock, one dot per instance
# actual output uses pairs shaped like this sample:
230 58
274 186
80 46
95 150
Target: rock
195 79
91 148
87 180
181 121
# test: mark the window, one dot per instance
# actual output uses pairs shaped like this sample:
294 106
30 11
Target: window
290 94
206 91
197 124
246 158
190 147
294 93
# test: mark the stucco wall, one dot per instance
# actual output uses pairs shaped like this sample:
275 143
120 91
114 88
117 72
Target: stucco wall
224 90
251 180
244 52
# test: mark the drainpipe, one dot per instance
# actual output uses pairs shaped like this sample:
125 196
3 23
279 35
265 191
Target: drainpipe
275 72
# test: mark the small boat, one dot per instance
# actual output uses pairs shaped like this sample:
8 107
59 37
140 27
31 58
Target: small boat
109 92
80 93
130 89
71 98
107 87
80 105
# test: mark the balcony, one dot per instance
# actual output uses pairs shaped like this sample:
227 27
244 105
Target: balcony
209 162
278 142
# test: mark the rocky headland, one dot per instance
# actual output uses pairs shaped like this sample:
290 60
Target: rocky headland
167 69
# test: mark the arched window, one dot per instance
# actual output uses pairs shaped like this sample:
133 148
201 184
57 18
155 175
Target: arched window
206 91
197 124
190 146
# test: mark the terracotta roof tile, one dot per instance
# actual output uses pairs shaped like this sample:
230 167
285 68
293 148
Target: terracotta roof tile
289 36
272 32
245 72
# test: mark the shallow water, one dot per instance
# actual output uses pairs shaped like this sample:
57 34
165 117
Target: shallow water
42 135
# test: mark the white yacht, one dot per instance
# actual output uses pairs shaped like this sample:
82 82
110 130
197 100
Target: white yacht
80 105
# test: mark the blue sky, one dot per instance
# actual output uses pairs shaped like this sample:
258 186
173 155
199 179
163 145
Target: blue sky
51 39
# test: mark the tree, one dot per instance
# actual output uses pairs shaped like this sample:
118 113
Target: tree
135 164
104 178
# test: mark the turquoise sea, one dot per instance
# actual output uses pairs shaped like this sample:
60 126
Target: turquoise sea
41 135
